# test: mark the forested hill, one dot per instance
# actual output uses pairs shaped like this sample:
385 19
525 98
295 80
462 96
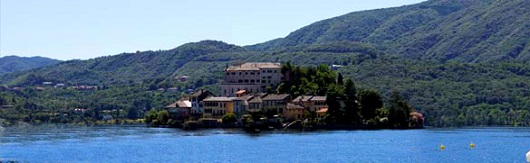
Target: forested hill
121 68
442 30
10 64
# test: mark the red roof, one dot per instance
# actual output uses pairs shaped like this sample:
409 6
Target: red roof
322 110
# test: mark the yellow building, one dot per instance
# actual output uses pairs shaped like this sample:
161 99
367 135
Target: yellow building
294 112
216 107
313 103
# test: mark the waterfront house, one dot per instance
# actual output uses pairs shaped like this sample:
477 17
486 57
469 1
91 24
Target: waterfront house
294 111
240 105
195 98
276 102
255 104
179 110
312 103
216 107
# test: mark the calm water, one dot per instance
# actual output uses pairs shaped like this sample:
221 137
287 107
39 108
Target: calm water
140 144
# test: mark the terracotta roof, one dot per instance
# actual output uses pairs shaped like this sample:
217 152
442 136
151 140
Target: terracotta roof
199 92
276 97
256 99
173 105
294 106
318 98
180 104
304 98
254 66
322 110
219 99
241 91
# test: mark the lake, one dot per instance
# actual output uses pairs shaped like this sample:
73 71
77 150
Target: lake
142 144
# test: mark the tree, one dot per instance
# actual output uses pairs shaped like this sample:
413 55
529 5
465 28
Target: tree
2 101
229 118
340 79
132 113
334 97
163 117
352 107
370 101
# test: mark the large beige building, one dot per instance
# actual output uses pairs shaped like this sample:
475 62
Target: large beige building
253 77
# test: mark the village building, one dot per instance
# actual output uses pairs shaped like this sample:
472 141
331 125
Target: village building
255 104
216 107
277 102
179 110
312 103
240 106
253 77
196 98
294 112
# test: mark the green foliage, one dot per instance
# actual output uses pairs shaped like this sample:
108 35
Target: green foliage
306 80
229 118
370 101
9 64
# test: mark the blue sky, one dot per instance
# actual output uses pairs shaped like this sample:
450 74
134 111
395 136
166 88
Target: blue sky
66 29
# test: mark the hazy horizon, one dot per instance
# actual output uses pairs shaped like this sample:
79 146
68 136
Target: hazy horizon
65 30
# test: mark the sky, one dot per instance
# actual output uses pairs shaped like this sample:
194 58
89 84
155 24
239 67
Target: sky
67 29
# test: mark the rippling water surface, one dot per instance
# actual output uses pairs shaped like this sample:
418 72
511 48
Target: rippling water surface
141 144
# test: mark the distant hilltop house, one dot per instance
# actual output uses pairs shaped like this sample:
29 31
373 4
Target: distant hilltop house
60 85
182 78
40 88
253 77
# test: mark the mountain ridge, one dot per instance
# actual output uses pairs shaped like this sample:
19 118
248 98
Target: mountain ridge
9 64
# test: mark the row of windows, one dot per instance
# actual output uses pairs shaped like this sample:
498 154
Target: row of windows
241 73
252 73
214 112
320 103
270 71
215 104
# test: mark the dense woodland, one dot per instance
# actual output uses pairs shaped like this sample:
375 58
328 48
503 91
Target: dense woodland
460 63
9 64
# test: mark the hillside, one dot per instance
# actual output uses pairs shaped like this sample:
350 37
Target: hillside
441 30
122 68
9 64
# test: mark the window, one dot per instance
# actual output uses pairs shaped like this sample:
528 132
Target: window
240 81
252 81
246 73
275 71
246 80
233 73
240 73
227 73
252 73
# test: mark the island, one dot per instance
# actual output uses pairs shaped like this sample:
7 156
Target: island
264 95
